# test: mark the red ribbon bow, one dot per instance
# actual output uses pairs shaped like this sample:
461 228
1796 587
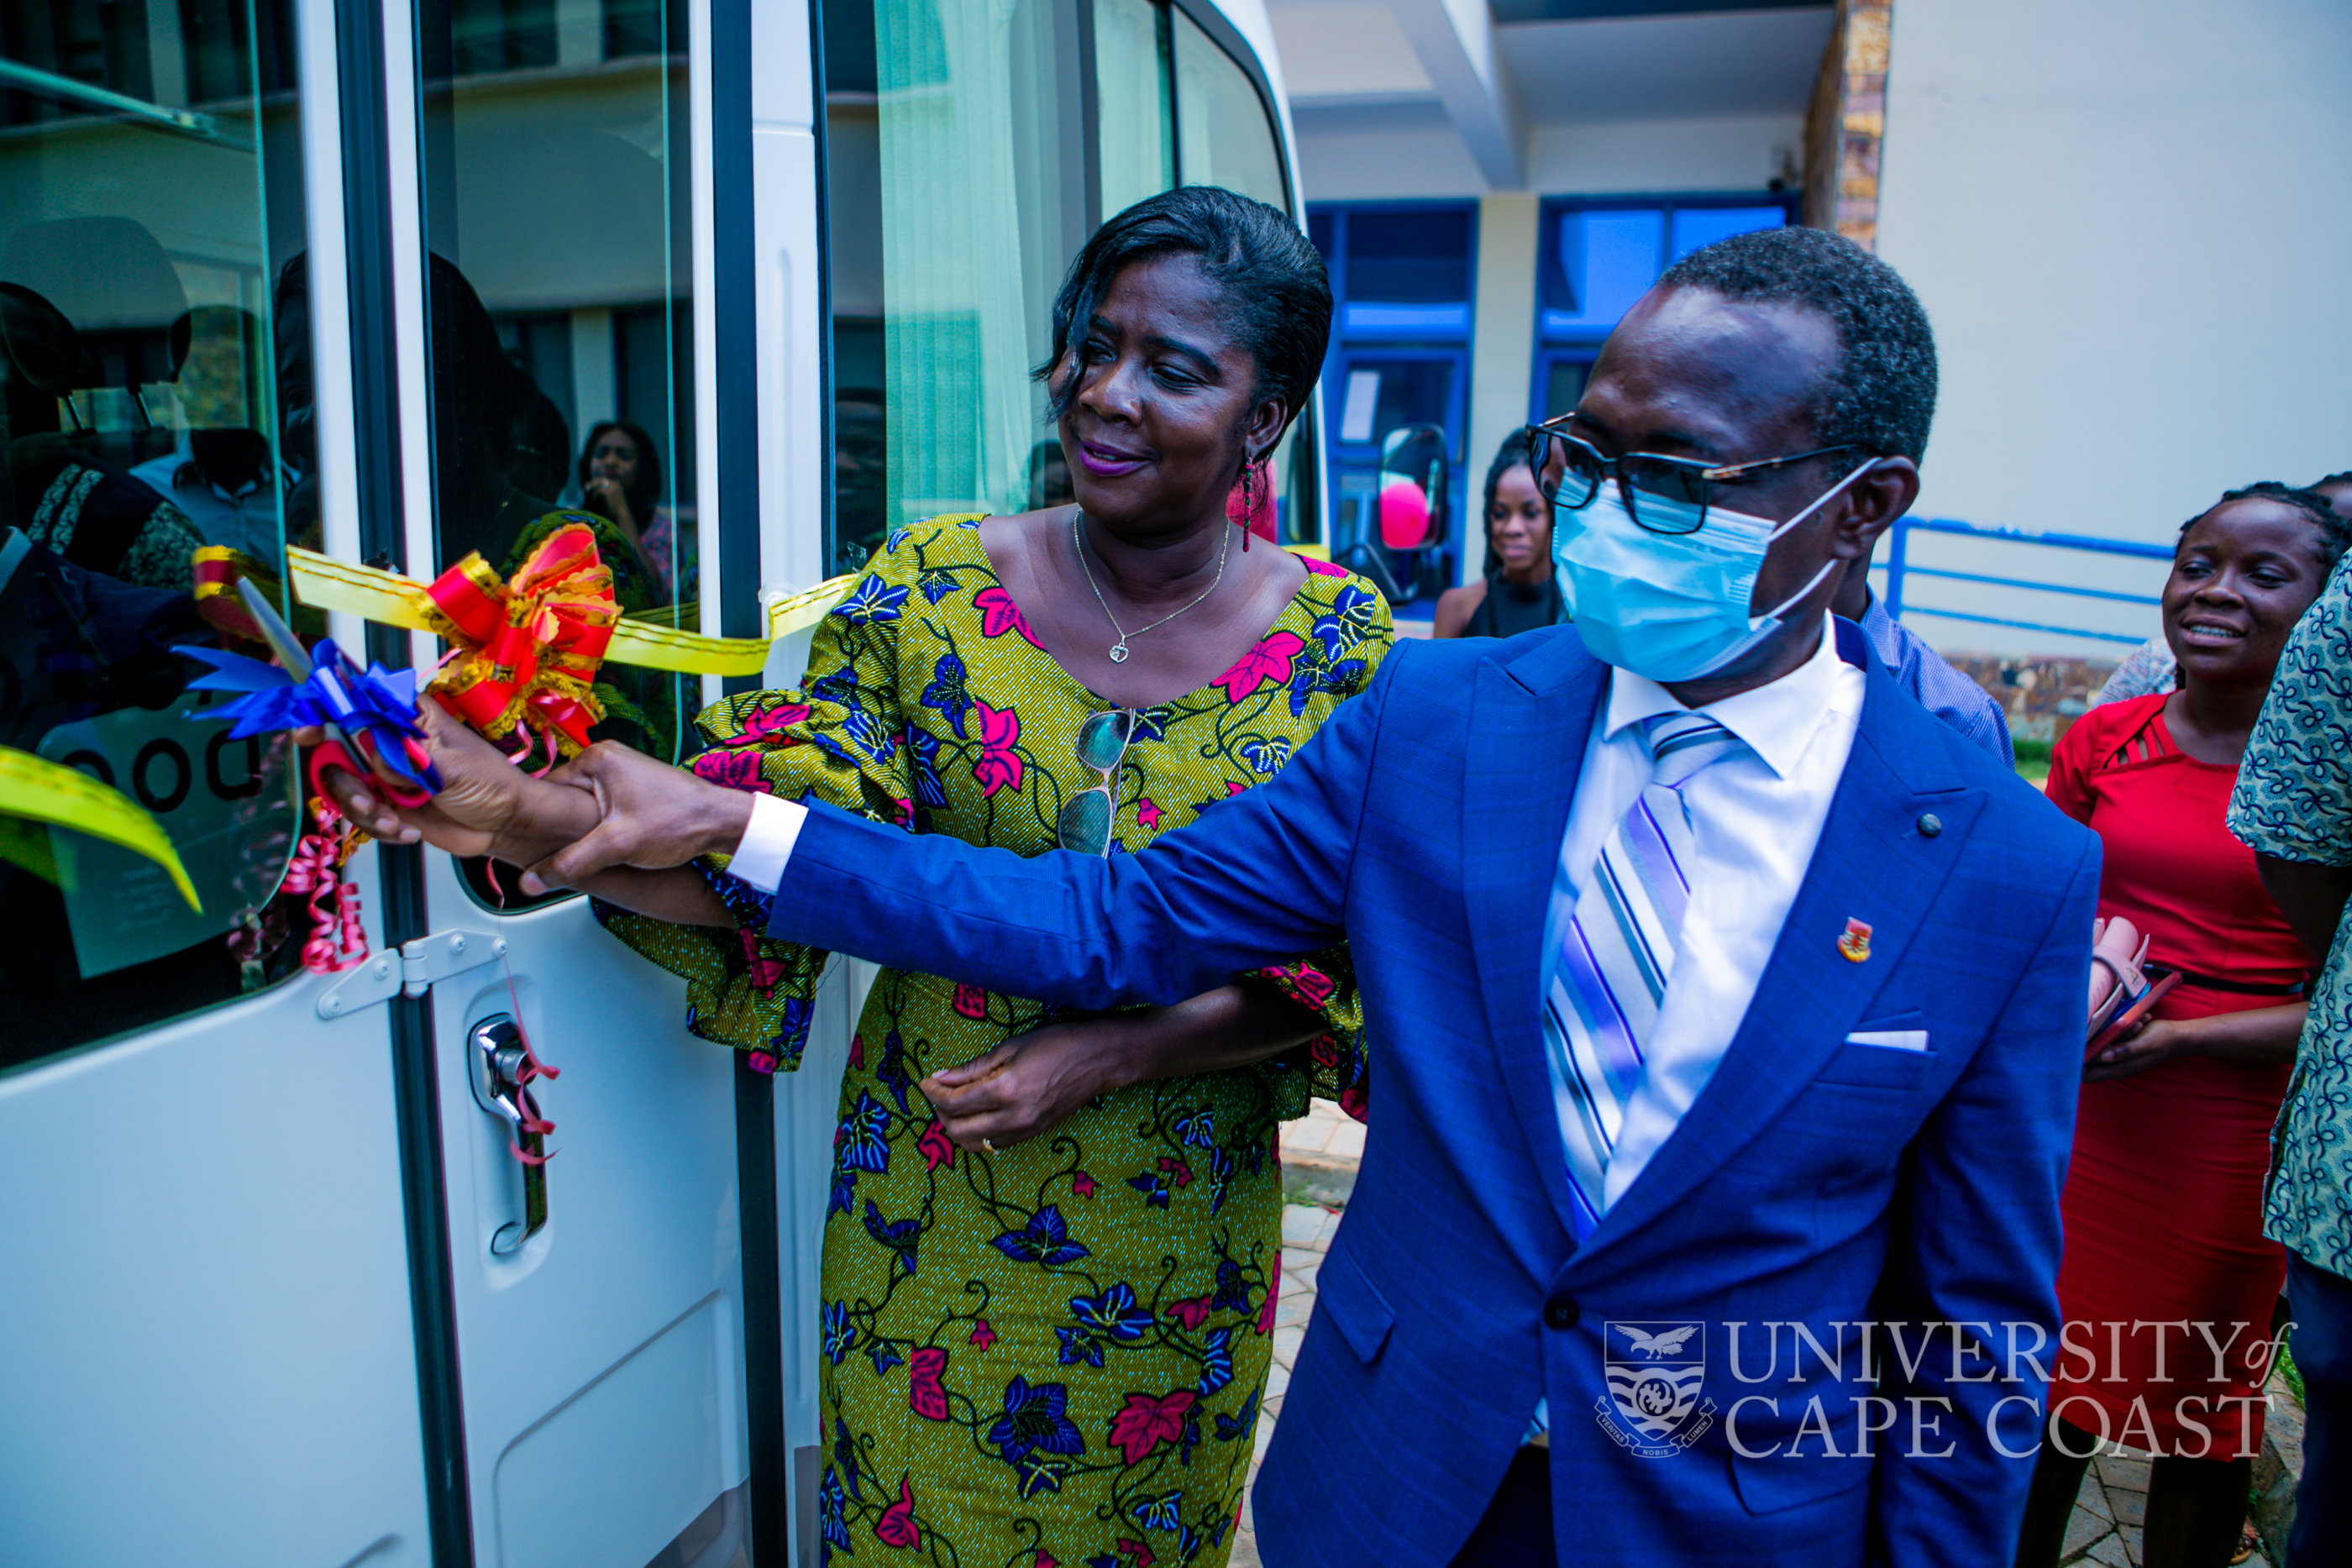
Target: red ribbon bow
525 653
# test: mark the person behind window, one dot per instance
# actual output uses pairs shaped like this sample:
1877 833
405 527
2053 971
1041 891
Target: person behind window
221 472
861 473
90 512
2163 1199
1049 477
1517 593
621 479
1022 1340
479 396
539 450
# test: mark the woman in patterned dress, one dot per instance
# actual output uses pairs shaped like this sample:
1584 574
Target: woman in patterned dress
1049 1351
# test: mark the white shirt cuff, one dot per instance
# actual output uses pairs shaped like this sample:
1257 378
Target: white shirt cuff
767 843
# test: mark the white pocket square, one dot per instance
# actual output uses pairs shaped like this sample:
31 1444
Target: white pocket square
1891 1039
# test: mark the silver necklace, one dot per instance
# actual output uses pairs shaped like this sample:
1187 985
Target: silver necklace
1119 649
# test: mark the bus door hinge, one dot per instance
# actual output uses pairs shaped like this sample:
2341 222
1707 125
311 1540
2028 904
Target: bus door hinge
413 969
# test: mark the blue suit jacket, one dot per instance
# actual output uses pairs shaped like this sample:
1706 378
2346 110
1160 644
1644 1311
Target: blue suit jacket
1815 1182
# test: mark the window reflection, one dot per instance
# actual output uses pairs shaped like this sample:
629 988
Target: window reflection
963 176
150 233
560 321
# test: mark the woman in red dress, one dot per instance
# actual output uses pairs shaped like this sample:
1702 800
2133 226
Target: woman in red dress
2167 1284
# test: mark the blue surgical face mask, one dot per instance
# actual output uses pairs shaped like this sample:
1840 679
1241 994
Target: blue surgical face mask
1671 606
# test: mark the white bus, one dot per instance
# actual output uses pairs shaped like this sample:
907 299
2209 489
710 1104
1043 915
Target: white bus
364 275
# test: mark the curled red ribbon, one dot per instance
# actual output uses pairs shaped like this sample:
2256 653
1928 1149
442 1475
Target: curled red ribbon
337 941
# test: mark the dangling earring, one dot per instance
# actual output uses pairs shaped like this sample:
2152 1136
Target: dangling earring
1249 501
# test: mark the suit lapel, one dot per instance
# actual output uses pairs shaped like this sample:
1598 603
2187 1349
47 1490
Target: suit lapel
1872 863
1529 724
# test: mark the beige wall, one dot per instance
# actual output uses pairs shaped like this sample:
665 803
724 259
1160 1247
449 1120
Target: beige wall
2128 224
1502 349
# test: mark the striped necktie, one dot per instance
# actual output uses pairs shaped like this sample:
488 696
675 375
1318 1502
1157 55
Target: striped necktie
1615 954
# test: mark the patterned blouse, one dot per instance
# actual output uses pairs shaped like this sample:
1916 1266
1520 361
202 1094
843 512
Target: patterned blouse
1057 1353
2293 801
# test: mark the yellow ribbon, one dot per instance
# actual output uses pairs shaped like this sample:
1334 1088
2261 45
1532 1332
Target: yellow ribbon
388 599
795 610
51 792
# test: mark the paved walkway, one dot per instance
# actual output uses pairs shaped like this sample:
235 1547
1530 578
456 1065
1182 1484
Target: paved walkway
1319 1156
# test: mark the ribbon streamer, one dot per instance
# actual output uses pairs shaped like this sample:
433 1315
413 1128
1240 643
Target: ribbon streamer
377 708
216 569
388 599
790 613
66 797
337 940
524 653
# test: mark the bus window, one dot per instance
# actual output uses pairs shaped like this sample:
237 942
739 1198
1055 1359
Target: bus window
560 310
980 212
1222 134
958 113
1226 136
1132 85
151 407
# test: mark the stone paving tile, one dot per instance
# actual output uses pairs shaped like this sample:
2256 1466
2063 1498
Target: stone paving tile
2127 1472
2109 1550
1324 1130
2083 1527
1307 1232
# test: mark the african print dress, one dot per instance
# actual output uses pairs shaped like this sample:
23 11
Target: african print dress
1055 1356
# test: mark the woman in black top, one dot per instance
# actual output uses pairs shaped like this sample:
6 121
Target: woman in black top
1517 593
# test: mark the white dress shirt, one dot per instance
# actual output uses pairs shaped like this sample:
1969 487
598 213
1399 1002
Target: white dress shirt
767 843
1756 815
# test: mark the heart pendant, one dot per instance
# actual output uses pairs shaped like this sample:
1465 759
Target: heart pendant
1119 654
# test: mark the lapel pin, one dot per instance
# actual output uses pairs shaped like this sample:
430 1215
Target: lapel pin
1930 824
1855 943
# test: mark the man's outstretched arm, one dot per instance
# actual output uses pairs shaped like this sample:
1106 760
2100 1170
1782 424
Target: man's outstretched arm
1259 879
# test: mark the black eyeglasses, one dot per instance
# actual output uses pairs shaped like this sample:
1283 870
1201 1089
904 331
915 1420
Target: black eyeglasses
1084 820
1570 470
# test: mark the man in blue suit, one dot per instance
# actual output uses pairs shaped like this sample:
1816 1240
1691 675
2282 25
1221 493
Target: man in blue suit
1729 1005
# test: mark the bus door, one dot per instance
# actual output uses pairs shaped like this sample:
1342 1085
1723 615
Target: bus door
207 1353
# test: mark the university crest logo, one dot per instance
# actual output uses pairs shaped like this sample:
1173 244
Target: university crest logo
1653 1407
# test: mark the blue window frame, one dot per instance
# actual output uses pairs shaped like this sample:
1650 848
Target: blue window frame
1403 285
1596 255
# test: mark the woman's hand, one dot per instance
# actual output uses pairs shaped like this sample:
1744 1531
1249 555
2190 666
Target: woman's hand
486 806
1034 1082
2156 1041
654 816
605 496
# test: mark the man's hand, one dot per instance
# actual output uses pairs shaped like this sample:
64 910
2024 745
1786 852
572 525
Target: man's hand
654 816
1033 1082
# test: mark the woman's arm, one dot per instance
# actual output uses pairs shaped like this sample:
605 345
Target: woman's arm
1455 608
1034 1082
2257 1034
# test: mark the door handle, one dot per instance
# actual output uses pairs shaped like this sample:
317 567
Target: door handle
499 1065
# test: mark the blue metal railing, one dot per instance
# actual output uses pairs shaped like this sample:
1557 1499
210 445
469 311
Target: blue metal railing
1899 571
